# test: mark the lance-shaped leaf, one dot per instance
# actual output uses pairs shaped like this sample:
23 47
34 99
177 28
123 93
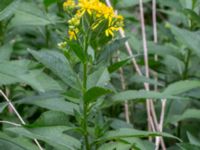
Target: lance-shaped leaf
94 93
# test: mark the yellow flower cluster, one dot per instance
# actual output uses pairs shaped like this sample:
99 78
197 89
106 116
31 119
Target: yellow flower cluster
69 4
99 12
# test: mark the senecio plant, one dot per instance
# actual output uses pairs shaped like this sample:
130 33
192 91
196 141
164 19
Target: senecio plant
91 24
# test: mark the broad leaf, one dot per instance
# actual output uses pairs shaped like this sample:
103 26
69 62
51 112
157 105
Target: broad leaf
58 64
52 135
99 78
51 118
52 101
188 38
9 10
9 143
29 14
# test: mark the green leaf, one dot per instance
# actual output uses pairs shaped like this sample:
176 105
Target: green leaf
52 101
9 10
11 73
99 78
192 15
94 93
3 105
58 64
187 146
188 114
193 140
29 14
162 50
127 3
117 65
49 2
117 124
143 79
188 38
141 94
5 52
52 135
127 132
47 82
115 146
181 87
51 118
110 48
78 50
9 143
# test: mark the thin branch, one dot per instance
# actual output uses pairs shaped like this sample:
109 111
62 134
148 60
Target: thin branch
154 125
146 60
18 115
11 123
163 102
137 68
123 84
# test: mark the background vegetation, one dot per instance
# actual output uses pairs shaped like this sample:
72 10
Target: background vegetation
41 80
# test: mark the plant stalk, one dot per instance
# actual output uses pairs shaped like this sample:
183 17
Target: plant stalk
85 108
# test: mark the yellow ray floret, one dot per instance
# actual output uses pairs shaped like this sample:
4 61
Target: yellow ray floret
97 10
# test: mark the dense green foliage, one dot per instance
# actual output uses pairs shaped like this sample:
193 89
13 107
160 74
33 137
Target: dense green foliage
47 85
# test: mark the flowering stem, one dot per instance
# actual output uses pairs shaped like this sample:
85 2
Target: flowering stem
85 106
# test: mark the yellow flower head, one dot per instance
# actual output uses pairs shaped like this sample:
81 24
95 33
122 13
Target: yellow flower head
69 4
98 11
73 34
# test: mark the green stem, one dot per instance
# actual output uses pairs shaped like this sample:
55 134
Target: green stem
185 74
85 108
